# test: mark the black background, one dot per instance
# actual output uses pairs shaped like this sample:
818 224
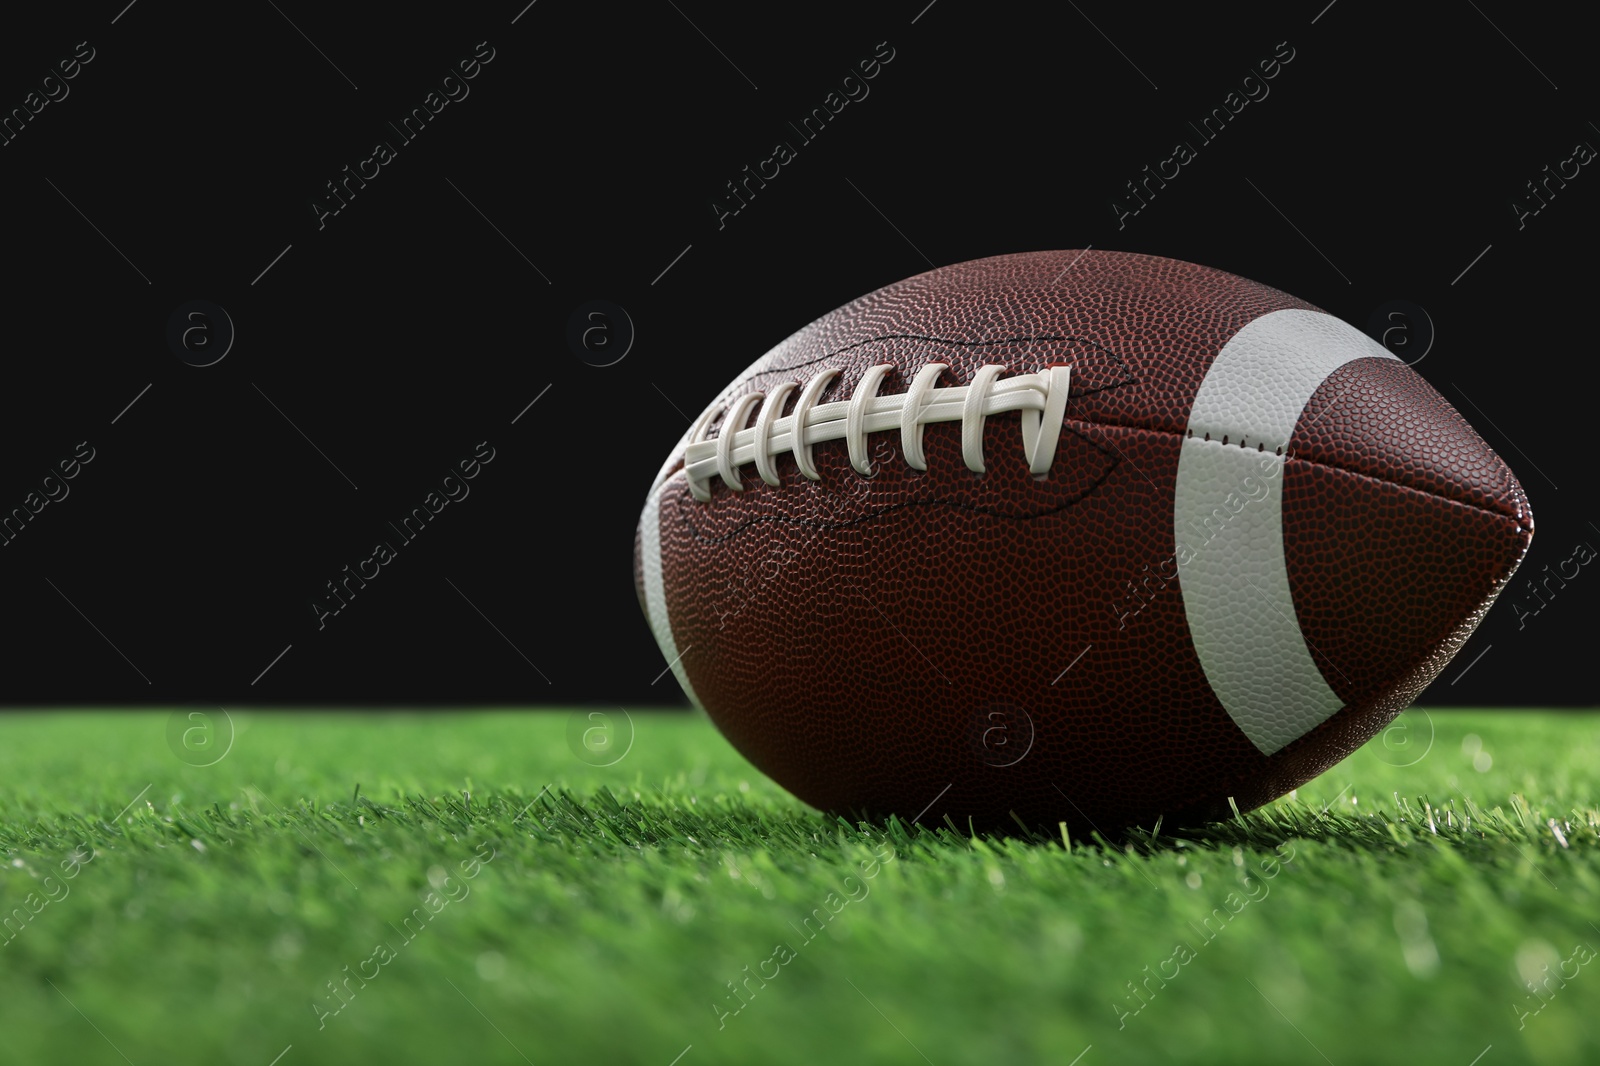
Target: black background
379 349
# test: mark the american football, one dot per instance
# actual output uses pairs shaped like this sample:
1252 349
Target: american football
1078 537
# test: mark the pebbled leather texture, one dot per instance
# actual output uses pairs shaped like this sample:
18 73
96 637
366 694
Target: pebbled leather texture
983 647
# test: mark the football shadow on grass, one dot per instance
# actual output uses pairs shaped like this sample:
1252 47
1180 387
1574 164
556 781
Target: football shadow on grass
606 821
1393 828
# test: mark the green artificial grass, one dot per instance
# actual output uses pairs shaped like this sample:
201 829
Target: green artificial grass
489 897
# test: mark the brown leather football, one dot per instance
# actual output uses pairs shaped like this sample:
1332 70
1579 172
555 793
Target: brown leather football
1083 537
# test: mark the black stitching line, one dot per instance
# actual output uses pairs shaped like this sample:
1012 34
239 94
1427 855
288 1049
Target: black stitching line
703 538
1243 443
1112 464
1086 438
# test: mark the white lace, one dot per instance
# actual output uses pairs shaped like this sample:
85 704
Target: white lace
1041 397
